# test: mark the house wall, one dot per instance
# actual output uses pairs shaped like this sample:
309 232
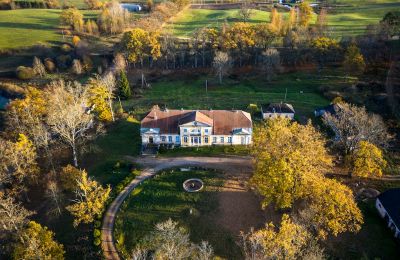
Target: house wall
382 211
274 115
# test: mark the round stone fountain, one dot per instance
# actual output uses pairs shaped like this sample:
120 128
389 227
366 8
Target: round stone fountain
193 185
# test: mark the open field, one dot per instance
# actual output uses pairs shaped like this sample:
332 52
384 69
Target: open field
302 91
352 17
186 23
163 197
28 27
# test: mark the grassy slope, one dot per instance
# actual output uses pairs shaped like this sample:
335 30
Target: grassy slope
187 22
353 17
27 27
163 197
190 93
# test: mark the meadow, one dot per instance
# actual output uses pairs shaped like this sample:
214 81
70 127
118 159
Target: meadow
163 197
301 90
29 27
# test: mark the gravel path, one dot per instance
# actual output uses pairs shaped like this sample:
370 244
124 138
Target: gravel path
234 165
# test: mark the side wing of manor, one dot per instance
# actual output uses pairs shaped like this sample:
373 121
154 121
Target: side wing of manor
196 127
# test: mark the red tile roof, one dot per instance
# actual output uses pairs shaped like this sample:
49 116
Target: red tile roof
223 121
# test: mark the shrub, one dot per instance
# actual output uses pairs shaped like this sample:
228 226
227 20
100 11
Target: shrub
49 65
25 73
75 40
97 241
66 48
96 233
63 61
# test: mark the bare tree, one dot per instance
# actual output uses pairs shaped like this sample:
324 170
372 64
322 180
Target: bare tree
69 117
205 251
221 64
77 67
120 63
13 216
271 62
352 124
55 196
245 11
38 67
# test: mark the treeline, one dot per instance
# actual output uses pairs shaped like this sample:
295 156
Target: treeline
293 39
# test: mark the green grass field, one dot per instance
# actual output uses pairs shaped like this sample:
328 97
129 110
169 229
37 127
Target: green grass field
163 197
186 23
352 16
302 91
28 27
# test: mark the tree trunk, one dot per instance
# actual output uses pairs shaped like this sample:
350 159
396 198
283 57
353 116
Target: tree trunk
75 156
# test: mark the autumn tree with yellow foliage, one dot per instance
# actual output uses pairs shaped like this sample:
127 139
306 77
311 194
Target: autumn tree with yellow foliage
37 242
290 161
89 202
354 62
287 155
305 13
140 44
367 160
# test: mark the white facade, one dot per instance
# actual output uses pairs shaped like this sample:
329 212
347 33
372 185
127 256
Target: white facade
384 214
196 134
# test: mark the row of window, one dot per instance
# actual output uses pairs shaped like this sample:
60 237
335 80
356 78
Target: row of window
196 139
185 130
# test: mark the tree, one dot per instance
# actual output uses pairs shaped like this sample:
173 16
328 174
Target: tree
323 48
38 242
68 176
38 67
119 63
93 4
352 124
13 216
271 62
221 64
286 242
18 162
353 60
275 21
76 67
139 44
72 17
68 116
305 13
98 94
391 23
332 209
123 86
322 21
245 11
264 35
55 197
90 199
150 5
114 19
288 156
169 241
240 37
291 20
367 160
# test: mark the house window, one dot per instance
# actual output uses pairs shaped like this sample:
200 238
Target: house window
185 139
230 140
206 140
214 140
222 140
170 139
177 139
206 131
185 130
162 138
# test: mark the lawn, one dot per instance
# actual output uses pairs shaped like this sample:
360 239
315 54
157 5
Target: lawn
186 23
351 17
163 197
28 27
190 93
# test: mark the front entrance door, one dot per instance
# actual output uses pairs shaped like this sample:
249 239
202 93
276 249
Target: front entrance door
151 140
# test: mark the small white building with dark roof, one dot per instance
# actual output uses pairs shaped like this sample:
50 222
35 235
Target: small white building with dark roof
388 206
273 110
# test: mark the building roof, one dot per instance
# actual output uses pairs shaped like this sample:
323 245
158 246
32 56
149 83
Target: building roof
277 108
196 116
224 122
390 200
332 109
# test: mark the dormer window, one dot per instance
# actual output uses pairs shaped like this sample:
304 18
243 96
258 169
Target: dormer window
185 130
206 131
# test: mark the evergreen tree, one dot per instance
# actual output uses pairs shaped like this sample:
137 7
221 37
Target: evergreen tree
123 85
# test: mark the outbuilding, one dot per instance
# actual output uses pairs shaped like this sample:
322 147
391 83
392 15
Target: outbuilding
273 110
388 206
